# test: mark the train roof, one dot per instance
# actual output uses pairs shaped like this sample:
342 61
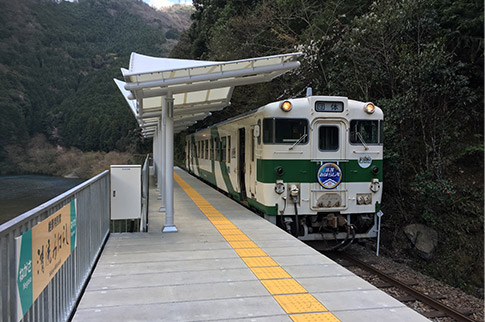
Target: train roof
351 104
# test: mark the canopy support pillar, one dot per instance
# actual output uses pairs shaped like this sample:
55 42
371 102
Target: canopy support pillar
155 159
161 176
167 124
158 160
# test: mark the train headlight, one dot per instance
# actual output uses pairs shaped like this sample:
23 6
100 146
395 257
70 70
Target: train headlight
369 108
286 106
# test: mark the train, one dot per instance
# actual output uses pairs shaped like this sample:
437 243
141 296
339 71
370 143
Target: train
311 165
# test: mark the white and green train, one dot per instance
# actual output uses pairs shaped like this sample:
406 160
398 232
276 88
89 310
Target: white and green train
311 165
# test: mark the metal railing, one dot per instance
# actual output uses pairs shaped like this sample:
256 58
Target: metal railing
59 298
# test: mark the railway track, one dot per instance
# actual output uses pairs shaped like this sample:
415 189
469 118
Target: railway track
439 310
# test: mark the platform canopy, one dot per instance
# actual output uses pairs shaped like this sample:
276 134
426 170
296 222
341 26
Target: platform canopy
197 87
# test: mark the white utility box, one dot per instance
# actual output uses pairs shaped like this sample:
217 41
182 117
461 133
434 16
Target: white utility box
125 192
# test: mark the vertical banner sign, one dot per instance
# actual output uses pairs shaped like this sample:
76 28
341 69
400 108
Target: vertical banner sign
41 251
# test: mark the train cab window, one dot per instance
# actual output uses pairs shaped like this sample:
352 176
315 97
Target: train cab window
367 131
285 131
328 138
223 149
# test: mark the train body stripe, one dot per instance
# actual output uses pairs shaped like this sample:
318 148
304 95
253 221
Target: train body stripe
268 210
305 171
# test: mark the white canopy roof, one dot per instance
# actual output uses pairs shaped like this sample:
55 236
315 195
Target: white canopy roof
198 87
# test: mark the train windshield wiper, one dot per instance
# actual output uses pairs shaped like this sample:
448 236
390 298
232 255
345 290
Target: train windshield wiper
359 136
298 141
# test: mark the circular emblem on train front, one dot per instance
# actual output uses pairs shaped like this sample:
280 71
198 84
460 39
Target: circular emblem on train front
365 160
329 175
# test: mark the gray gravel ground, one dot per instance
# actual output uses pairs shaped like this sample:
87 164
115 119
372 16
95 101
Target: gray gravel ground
453 297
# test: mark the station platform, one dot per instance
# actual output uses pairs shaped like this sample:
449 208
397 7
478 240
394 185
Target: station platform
224 264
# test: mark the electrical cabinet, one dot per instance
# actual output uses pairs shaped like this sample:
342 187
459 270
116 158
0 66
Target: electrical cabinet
125 192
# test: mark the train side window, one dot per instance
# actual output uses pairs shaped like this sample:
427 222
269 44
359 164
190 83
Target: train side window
229 148
212 149
252 144
328 138
366 130
223 149
206 144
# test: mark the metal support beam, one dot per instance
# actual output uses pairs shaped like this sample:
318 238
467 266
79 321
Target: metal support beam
167 122
163 157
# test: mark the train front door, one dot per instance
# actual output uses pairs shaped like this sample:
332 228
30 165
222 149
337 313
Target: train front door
241 163
329 148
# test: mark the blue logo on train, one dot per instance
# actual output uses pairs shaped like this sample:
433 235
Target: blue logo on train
329 175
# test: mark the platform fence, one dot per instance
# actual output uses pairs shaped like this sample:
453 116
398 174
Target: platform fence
58 300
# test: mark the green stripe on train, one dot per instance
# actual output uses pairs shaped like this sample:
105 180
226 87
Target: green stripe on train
223 165
210 176
268 210
306 171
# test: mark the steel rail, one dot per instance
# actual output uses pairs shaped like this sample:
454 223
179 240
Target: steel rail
411 291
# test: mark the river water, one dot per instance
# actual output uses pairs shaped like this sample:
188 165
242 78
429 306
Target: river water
19 194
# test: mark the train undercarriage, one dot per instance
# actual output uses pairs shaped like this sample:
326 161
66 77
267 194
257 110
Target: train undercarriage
336 231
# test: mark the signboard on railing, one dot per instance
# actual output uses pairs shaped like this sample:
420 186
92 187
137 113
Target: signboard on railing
41 251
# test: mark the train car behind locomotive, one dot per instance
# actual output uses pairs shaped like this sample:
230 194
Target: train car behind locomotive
311 165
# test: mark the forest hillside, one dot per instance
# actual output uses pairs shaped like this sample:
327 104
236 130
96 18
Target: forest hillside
57 62
421 61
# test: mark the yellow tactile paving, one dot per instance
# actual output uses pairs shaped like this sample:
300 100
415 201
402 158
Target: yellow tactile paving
266 273
259 261
218 218
286 286
314 317
243 244
227 232
224 226
215 216
220 222
232 238
271 275
250 252
299 303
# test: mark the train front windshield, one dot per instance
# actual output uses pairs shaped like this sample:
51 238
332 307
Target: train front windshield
370 131
285 131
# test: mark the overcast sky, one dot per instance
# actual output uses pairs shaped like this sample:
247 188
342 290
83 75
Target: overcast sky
166 3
